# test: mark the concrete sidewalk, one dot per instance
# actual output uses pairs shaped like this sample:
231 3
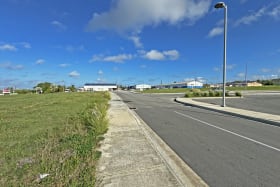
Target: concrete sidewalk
253 115
133 155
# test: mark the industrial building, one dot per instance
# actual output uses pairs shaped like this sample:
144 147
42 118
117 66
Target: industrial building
91 87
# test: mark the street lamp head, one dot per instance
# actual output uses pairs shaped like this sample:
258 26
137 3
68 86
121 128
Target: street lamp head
220 5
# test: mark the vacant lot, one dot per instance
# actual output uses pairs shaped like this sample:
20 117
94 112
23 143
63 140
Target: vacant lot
50 139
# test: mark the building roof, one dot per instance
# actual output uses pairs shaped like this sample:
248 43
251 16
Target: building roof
100 84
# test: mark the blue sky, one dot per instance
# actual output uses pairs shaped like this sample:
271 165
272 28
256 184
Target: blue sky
136 41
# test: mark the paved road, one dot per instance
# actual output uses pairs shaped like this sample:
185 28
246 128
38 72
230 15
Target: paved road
223 150
260 102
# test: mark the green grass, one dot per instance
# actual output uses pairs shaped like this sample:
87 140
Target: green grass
55 134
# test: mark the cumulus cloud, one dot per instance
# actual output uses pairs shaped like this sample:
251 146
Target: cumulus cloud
7 47
117 58
215 32
128 15
74 74
157 55
11 66
40 61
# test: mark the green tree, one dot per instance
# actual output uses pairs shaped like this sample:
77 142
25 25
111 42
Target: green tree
46 87
72 88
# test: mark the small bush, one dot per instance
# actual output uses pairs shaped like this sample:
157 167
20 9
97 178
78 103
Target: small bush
196 94
238 94
211 94
188 94
204 94
218 94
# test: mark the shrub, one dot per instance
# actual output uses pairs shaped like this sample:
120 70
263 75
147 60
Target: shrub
196 94
204 94
211 94
218 94
188 94
238 94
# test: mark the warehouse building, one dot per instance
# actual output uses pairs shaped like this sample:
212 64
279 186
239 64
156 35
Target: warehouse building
91 87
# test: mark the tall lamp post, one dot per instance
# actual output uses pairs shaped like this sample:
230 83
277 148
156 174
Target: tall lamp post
223 5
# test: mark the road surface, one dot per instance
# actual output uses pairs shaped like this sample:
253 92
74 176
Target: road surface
224 150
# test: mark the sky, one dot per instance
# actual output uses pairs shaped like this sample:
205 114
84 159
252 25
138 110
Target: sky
128 42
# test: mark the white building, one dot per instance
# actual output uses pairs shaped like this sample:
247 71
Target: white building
91 87
142 87
194 84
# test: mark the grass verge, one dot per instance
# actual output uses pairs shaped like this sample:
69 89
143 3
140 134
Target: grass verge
51 140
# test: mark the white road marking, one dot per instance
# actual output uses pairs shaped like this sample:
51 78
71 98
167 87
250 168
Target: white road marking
233 133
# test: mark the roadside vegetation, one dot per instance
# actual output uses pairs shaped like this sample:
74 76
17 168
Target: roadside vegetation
236 89
51 139
211 93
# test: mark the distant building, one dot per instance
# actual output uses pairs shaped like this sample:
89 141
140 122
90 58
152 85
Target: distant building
254 84
190 84
194 84
142 87
6 91
243 84
91 87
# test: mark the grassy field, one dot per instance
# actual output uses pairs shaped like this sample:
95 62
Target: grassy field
184 90
52 134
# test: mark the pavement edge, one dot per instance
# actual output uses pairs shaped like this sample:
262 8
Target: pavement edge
184 174
274 123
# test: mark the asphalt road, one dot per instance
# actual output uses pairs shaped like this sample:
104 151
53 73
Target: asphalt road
224 150
259 102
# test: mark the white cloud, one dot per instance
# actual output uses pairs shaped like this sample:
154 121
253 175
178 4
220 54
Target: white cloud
255 16
64 65
215 31
10 66
117 58
100 72
40 61
275 12
128 15
25 45
74 74
59 25
8 47
171 54
154 55
157 55
137 41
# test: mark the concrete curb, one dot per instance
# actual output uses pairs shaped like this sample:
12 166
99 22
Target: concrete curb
184 174
250 117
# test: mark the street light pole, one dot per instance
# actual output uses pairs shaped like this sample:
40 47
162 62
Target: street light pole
223 5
